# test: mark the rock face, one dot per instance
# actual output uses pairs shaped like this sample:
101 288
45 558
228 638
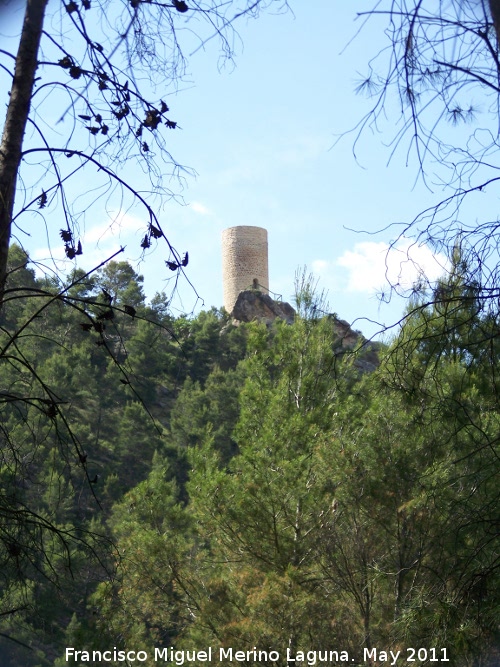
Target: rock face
348 337
253 305
366 352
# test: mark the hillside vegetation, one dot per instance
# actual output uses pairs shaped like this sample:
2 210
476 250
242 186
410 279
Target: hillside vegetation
184 482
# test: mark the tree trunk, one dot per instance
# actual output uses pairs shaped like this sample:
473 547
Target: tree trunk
495 14
15 123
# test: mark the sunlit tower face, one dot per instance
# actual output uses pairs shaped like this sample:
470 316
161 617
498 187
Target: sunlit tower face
244 262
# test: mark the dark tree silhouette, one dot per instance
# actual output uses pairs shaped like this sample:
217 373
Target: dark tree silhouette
441 64
86 98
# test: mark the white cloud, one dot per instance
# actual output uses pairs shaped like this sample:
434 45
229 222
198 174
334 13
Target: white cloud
51 256
121 225
305 149
371 266
197 207
319 267
55 259
99 242
365 266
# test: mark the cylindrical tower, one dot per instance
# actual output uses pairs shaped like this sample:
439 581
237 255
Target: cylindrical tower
244 262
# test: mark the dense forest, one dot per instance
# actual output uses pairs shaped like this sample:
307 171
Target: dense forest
187 483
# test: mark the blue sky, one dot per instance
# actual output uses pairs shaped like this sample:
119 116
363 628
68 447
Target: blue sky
261 135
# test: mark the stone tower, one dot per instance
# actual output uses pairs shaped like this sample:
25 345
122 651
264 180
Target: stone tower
244 262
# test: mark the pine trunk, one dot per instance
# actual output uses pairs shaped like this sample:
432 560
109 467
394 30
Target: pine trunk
495 14
15 123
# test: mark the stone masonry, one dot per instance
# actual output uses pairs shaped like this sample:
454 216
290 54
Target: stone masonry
244 262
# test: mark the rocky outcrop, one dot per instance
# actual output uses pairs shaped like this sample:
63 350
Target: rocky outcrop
347 336
252 305
365 352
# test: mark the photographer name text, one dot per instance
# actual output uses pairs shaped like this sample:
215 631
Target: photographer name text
229 655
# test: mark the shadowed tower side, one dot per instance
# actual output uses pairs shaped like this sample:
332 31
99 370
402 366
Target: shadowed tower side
244 262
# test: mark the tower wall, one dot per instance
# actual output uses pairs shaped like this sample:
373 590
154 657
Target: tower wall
244 262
